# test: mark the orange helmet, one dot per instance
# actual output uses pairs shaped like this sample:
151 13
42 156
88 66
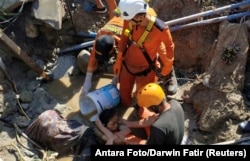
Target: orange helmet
149 95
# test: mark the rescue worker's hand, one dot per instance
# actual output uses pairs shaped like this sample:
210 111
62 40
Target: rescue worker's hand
118 64
150 120
115 80
87 83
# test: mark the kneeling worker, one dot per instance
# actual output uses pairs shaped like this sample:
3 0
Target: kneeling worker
168 129
103 49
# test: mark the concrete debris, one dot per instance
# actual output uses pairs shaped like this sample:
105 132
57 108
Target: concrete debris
49 11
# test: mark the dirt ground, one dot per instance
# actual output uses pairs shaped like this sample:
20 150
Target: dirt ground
214 90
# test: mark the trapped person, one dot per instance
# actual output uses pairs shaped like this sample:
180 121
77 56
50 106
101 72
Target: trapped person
168 129
115 133
145 39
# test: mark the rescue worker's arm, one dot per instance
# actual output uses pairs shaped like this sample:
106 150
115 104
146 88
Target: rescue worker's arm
121 49
115 80
92 66
118 64
166 52
146 122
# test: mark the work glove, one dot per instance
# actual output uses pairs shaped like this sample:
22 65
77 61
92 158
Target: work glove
87 83
118 64
115 80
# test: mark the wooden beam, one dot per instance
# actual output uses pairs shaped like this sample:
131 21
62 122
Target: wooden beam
21 54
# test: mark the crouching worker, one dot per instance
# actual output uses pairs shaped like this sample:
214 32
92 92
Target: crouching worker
67 137
168 129
104 50
115 133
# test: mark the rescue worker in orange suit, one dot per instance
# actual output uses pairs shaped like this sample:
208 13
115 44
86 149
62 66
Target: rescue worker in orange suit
132 63
168 128
104 48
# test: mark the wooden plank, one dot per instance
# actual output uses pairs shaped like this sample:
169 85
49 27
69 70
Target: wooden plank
15 49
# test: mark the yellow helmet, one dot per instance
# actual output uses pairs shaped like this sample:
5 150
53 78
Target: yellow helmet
149 95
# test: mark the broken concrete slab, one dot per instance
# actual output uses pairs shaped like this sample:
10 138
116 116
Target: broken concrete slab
49 11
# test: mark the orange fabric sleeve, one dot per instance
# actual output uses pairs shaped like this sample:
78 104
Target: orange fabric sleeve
167 59
168 48
166 52
92 64
118 64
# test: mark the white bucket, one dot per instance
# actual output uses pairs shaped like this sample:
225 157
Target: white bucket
96 101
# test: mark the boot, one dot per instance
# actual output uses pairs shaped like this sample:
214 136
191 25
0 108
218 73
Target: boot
245 126
172 83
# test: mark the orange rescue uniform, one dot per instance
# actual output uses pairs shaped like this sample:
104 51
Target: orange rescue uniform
113 28
158 42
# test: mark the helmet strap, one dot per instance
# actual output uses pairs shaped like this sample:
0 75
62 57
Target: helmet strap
137 22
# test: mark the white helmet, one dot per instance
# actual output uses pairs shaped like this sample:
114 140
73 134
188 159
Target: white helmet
129 8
